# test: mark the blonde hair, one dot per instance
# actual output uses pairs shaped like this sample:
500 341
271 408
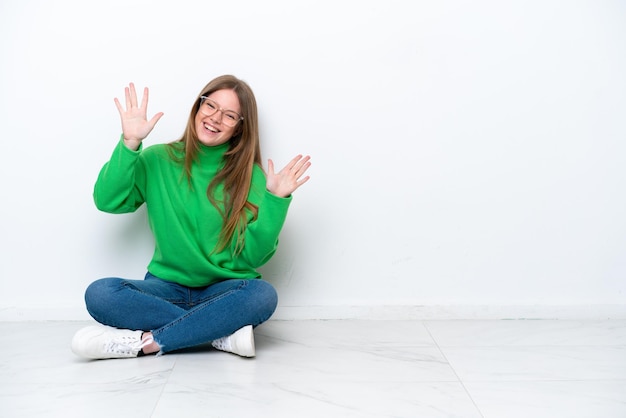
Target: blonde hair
236 175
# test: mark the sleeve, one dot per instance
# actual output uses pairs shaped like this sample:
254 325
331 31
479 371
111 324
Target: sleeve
261 237
121 183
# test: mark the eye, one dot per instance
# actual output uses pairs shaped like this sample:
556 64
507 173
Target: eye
231 116
211 105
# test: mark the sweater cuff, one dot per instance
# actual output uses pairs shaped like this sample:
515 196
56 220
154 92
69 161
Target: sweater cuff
279 200
121 143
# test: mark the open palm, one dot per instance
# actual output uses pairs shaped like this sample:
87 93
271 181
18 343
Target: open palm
135 123
287 180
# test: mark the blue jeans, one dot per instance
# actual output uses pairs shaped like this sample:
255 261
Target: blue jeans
179 316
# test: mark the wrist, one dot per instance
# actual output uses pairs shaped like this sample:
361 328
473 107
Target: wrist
131 144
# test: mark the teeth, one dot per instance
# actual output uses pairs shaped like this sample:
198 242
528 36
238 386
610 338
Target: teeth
210 128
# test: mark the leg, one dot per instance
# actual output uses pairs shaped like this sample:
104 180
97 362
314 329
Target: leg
136 304
180 317
218 310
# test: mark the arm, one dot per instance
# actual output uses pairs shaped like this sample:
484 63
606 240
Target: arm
261 236
272 195
121 180
120 184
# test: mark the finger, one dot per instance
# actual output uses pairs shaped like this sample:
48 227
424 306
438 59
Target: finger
119 106
293 162
133 95
300 167
155 119
303 169
270 167
301 182
303 162
127 97
144 99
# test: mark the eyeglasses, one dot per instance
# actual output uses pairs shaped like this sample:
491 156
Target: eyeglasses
209 107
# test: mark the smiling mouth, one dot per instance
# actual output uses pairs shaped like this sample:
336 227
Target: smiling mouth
211 128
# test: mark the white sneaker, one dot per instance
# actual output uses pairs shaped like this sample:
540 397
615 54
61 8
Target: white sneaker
103 342
240 343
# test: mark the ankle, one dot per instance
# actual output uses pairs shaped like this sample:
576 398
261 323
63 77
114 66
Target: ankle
152 347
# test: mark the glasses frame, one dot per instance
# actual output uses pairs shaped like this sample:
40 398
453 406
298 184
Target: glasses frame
203 99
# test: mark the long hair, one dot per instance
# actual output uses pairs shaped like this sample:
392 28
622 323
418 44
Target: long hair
236 175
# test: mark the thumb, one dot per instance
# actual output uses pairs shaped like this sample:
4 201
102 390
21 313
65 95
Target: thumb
155 119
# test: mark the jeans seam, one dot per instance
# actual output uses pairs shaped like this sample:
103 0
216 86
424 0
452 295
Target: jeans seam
138 290
192 311
240 285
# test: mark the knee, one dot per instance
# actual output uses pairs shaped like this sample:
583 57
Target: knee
266 296
98 296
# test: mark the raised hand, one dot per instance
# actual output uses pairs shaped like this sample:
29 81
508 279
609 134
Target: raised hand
287 180
135 123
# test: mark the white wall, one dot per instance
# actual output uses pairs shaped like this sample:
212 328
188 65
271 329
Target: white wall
465 153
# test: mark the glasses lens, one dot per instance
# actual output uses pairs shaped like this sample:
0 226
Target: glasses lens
230 118
209 107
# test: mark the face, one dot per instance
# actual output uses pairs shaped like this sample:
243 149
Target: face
210 129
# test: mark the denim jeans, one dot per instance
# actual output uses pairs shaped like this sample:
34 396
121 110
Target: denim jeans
179 316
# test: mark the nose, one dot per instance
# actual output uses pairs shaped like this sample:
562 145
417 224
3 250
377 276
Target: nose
217 116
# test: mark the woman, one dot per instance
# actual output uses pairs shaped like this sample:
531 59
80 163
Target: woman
215 216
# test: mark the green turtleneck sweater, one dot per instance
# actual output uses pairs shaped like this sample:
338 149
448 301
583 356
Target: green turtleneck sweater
186 226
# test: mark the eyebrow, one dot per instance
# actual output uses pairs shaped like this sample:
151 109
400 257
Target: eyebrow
220 106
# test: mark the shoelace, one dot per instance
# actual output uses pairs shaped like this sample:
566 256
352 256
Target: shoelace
123 346
223 343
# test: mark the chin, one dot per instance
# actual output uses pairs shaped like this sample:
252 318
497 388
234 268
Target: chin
212 142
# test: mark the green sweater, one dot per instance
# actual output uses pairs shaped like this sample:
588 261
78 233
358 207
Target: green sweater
186 226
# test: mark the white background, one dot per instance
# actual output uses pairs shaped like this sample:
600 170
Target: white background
465 153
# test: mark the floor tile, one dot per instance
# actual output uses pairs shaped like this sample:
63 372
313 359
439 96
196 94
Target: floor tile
571 399
316 399
69 400
488 369
349 333
280 361
527 333
537 363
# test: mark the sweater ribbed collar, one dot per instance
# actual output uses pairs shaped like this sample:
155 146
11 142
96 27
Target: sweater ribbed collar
211 156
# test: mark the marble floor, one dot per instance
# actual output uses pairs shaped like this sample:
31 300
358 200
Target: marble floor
351 368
